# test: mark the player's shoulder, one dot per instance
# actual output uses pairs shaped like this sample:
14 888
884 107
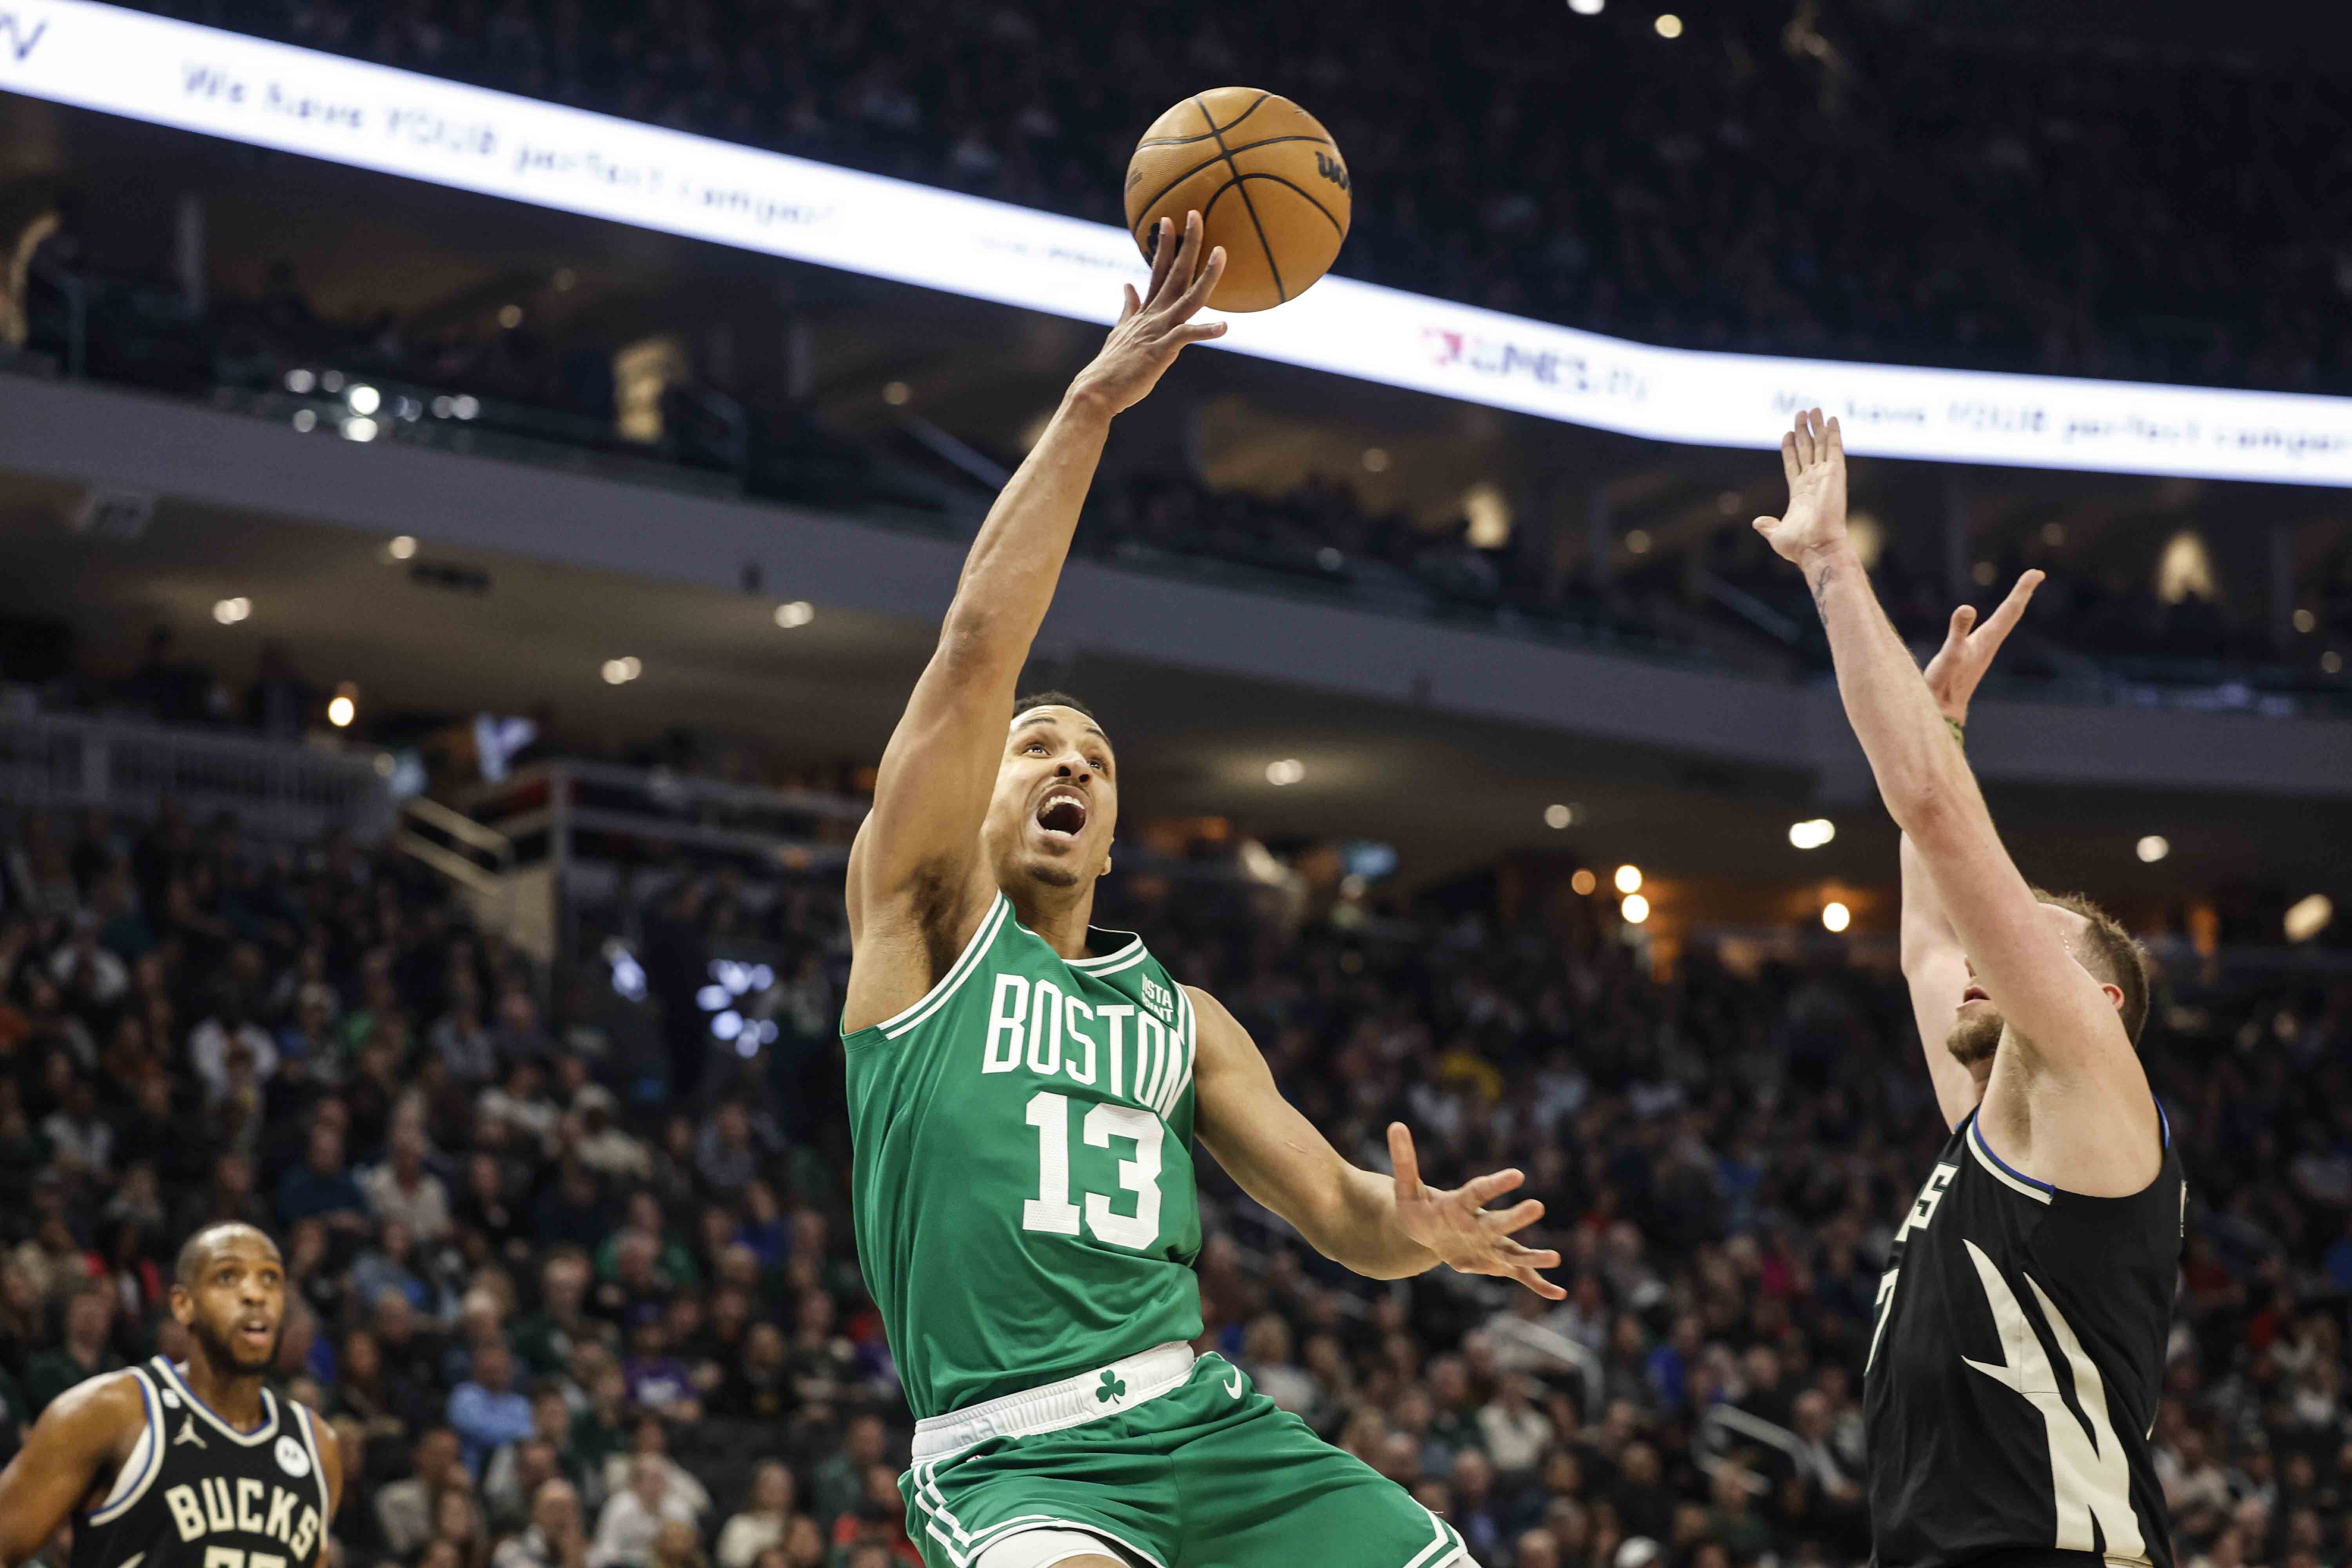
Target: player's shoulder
114 1405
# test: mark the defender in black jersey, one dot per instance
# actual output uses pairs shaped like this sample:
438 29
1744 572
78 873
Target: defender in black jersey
196 1466
2013 1368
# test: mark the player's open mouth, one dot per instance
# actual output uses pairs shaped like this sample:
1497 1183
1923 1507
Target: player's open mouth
1062 814
256 1333
1974 994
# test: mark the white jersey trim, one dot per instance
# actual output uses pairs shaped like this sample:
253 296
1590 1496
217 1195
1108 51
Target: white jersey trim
311 1441
146 1459
255 1438
2008 1178
958 973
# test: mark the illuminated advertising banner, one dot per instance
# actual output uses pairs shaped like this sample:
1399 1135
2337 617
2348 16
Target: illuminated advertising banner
372 117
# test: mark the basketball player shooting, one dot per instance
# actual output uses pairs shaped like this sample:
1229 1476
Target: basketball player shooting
1024 1090
194 1466
2012 1371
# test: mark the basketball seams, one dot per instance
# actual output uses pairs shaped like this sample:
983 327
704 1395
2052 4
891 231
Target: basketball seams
1161 193
1214 126
1273 267
1302 190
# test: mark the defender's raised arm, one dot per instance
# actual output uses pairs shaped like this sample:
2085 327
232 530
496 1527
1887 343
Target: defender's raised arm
2051 976
916 886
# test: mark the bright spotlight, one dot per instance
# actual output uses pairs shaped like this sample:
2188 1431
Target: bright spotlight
299 382
897 393
1587 7
2331 663
510 316
465 405
1635 909
1285 771
798 612
1629 878
621 671
306 420
228 612
341 710
1669 25
2154 848
360 429
1583 882
1812 834
2305 622
364 398
1558 816
1637 542
2306 918
1836 916
401 547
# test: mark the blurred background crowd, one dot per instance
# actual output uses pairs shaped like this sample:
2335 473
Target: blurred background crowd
571 1300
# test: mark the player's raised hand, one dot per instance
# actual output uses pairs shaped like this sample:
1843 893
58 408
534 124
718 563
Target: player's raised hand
1458 1227
1156 325
1952 675
1813 456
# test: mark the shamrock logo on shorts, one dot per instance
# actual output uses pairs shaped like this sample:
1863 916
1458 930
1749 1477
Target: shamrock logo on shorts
1113 1387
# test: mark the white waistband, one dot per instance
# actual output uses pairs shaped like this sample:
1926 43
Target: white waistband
1073 1401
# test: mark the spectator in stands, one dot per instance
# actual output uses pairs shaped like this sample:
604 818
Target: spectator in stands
555 1537
633 1519
485 1410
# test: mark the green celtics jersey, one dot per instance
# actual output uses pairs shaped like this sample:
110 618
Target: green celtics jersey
1022 1175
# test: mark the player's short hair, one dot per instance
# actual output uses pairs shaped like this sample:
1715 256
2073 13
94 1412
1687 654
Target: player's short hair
1051 700
2113 955
199 1246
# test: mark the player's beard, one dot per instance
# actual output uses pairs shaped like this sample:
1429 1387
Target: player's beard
221 1352
1975 1036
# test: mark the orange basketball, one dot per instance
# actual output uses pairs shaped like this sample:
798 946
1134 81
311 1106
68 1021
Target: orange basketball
1266 179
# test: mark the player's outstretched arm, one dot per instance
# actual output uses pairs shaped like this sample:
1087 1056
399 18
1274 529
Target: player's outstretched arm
1384 1227
933 786
83 1434
2063 1019
1933 963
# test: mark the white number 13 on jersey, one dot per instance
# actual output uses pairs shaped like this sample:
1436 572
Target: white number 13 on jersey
1052 1213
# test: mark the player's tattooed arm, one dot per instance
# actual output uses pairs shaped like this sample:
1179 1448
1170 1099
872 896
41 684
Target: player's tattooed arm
1384 1227
917 854
81 1438
2062 1020
1933 963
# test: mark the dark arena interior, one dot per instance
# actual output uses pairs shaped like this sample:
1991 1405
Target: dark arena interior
480 478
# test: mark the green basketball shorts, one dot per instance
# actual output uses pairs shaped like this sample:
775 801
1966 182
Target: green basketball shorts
1174 1461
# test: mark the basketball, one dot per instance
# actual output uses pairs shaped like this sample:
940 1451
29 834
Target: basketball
1266 179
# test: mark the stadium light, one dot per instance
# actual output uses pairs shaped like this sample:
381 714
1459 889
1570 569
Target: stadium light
510 316
621 671
2306 918
896 394
1812 834
1669 25
1376 459
1638 542
2154 848
306 420
1835 916
2331 663
1285 771
228 612
359 429
364 398
2305 622
1635 909
344 705
1587 7
796 613
1629 878
401 547
1558 816
301 382
1583 882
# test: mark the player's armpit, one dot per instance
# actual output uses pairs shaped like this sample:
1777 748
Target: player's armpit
1279 1158
79 1438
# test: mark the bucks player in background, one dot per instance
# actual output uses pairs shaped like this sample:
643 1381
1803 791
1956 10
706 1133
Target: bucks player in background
1025 1091
184 1466
2012 1376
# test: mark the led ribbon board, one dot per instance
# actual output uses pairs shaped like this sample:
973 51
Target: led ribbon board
373 117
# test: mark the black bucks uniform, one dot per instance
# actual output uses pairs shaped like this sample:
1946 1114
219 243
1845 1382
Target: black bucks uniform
2014 1368
198 1493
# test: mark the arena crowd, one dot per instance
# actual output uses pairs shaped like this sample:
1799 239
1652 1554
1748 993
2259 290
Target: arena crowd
566 1311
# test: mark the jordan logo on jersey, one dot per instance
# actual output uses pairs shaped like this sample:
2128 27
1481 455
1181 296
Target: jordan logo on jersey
188 1433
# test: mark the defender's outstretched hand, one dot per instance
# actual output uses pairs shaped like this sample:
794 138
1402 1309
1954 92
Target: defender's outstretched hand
1155 326
1960 663
1461 1229
1813 456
